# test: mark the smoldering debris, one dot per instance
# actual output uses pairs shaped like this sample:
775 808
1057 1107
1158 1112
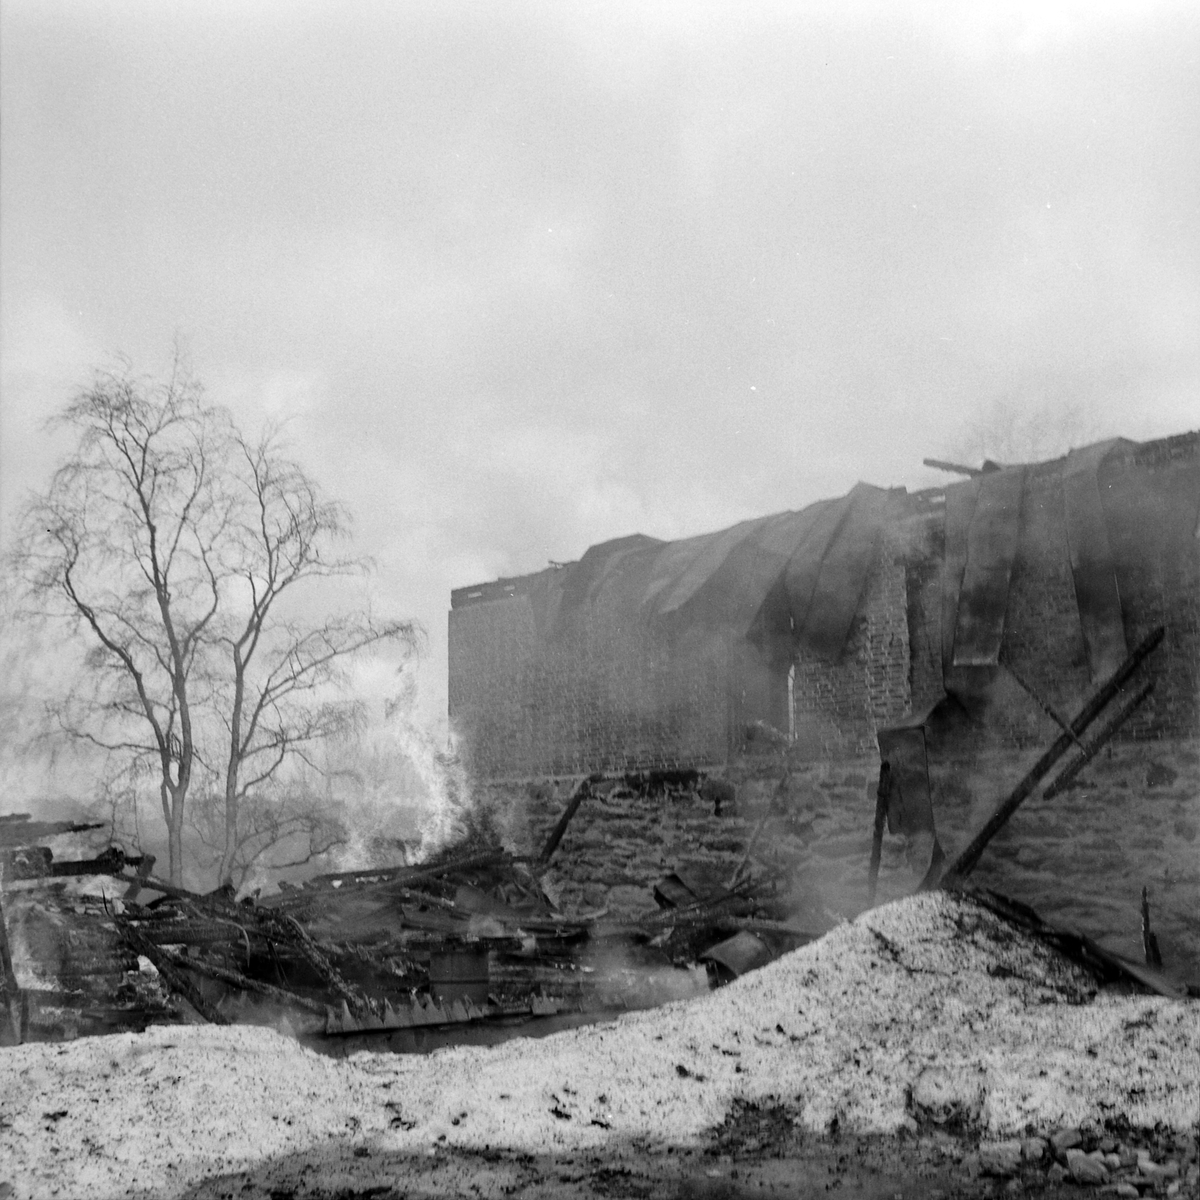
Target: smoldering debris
467 946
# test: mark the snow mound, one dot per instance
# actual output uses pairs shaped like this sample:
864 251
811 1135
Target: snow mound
930 1000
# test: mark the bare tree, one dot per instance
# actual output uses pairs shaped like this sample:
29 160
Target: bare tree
280 670
169 541
282 824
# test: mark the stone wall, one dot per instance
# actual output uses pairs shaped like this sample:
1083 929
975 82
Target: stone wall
1080 859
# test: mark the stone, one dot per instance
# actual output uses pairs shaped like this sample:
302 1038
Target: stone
1126 1189
1086 1169
1065 1139
1000 1158
1112 1162
1034 1149
939 1095
1057 1173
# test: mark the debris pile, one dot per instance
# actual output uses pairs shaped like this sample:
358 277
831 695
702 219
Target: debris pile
468 942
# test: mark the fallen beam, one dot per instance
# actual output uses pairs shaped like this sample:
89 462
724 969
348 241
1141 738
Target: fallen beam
242 982
968 859
1044 705
289 929
166 968
11 1031
881 803
581 793
1067 777
954 468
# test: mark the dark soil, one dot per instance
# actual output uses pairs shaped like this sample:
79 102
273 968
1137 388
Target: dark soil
757 1152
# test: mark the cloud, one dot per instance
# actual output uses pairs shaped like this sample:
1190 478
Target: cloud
527 277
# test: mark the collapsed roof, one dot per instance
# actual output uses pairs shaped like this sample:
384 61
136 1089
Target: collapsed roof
807 567
805 571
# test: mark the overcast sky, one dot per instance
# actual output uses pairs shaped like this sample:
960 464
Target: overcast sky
526 277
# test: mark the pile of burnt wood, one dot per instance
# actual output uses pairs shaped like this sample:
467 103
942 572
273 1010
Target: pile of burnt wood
468 943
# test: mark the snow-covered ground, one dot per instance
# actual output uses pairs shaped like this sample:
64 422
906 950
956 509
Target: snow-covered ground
932 995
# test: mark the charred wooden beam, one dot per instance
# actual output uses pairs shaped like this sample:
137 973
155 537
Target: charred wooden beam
881 803
11 1022
143 873
581 793
288 929
967 860
243 982
1044 705
1149 940
192 933
174 980
954 468
1096 744
109 862
16 829
323 884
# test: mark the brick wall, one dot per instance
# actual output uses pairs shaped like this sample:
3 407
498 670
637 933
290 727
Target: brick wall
608 693
838 706
612 693
1043 637
923 570
1150 507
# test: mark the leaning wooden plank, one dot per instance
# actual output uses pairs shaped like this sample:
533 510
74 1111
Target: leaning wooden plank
1147 976
1076 945
881 803
967 860
18 830
192 933
581 793
408 874
173 979
292 930
10 992
1096 744
244 983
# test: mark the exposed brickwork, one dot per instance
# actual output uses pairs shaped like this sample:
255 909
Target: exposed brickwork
610 692
1150 508
923 583
838 706
607 694
1043 638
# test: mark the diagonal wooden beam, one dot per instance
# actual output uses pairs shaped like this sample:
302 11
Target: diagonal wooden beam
968 859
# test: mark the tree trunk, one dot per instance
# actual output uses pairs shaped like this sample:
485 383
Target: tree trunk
231 820
232 770
175 842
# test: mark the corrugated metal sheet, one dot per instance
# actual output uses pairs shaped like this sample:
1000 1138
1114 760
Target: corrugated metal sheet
991 549
1096 592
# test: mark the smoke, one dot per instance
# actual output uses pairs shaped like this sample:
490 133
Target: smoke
402 794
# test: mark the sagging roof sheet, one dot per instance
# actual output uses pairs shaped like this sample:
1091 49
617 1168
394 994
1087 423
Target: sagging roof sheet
810 565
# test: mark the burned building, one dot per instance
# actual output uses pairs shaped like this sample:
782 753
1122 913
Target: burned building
732 688
826 624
